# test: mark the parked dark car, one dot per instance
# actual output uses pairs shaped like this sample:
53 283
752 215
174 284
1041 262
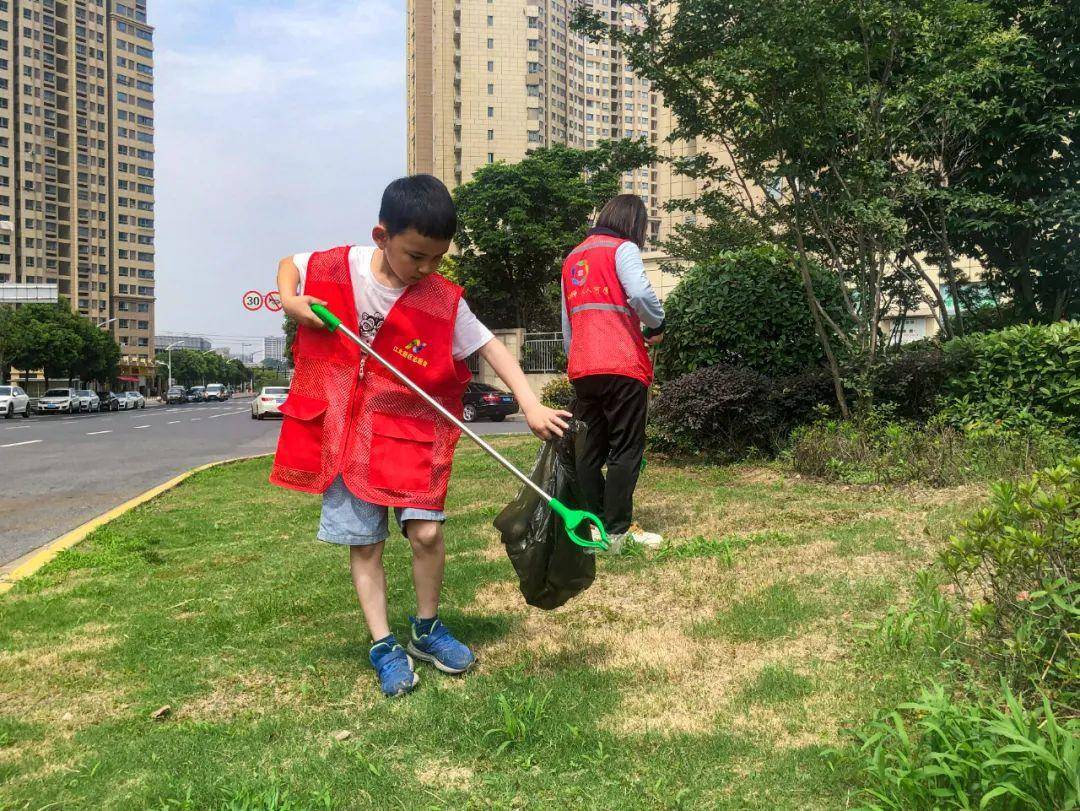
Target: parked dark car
196 394
483 402
110 401
176 395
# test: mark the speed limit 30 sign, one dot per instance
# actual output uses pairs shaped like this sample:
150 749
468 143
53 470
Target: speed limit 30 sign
253 300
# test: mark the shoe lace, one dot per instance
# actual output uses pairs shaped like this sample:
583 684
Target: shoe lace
439 639
393 664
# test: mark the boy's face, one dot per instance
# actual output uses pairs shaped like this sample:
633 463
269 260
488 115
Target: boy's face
409 255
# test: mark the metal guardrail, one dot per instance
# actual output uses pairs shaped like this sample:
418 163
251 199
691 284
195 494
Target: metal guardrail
543 352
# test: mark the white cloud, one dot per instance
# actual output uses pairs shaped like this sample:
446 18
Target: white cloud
278 125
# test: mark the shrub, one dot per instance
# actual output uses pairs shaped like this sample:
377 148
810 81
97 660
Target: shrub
875 448
913 377
800 398
745 308
723 410
1015 565
1020 372
961 754
558 393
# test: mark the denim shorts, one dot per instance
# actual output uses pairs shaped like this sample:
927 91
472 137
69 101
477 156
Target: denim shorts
351 521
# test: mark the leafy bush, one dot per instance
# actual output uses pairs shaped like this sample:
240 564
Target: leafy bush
800 398
745 308
1015 566
877 449
913 377
1015 373
723 410
558 393
960 754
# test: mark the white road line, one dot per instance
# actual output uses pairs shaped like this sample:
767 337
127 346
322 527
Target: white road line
96 433
139 427
174 422
196 419
228 414
17 444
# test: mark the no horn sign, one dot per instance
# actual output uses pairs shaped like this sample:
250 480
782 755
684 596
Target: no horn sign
254 300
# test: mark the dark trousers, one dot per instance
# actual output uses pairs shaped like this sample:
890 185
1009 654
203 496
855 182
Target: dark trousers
614 407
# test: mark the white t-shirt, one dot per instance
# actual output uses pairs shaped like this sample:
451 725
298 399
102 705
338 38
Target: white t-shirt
374 300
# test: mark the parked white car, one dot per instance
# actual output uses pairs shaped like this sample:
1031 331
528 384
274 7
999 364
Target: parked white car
13 400
58 401
269 402
88 400
134 399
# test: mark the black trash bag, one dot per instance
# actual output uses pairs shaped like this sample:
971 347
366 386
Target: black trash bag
550 567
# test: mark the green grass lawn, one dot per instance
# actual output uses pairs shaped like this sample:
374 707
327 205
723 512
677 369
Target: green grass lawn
712 674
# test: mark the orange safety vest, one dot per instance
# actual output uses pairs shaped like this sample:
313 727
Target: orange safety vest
345 414
605 332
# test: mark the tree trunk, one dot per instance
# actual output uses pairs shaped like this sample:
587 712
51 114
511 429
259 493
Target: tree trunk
819 327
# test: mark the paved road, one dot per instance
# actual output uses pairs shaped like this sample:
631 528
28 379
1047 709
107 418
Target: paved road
56 472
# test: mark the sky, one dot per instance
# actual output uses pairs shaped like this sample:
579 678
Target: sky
277 126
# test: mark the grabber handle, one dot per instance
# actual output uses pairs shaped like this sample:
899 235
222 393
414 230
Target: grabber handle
573 519
331 321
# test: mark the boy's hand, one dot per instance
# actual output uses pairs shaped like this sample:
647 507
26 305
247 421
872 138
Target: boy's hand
547 422
299 307
653 340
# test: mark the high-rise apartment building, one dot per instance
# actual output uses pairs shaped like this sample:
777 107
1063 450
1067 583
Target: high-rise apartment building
77 161
274 348
491 80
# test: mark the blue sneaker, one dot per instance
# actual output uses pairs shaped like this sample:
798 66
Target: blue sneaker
394 667
439 647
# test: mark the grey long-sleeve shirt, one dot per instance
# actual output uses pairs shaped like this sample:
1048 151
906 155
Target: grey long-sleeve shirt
639 293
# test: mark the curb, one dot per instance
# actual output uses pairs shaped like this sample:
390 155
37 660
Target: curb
29 563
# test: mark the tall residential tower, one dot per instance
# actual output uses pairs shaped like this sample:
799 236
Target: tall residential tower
77 161
491 80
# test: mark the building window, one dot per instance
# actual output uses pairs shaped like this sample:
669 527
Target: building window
491 20
491 67
491 89
491 157
491 112
491 135
491 43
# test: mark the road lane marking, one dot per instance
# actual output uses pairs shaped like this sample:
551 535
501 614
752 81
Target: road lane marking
96 433
17 444
196 419
228 414
139 427
174 422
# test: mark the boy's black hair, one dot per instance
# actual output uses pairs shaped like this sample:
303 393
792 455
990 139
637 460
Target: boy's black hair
420 202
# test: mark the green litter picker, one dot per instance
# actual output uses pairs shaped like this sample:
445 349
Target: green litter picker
572 519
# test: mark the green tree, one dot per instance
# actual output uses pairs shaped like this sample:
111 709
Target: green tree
518 221
188 366
43 336
1014 202
100 357
804 114
289 328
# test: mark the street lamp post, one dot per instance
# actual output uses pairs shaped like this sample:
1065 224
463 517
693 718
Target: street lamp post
169 349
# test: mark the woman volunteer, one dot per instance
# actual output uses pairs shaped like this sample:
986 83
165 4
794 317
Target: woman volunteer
606 299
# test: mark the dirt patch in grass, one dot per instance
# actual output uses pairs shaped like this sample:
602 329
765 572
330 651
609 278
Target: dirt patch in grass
251 693
441 774
61 686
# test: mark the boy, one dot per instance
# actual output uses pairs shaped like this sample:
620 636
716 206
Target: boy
354 433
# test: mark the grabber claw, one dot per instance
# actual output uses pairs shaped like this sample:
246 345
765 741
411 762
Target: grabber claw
573 519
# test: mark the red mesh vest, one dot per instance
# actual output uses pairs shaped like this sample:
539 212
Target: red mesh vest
346 414
605 333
